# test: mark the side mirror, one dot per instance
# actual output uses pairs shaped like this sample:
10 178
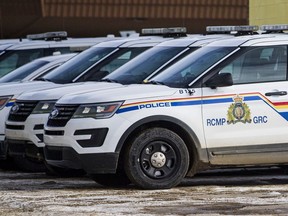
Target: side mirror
220 80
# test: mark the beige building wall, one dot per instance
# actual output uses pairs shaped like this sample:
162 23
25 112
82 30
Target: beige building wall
263 12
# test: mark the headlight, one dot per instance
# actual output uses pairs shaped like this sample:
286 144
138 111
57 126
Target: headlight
3 101
44 107
104 110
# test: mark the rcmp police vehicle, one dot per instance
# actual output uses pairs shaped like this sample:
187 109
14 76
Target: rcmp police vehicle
92 64
222 105
28 141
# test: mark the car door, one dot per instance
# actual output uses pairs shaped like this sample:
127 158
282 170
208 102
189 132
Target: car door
247 123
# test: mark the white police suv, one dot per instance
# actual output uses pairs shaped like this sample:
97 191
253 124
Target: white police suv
24 135
222 105
92 64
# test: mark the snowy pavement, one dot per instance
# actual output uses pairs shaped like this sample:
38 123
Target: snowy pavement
241 192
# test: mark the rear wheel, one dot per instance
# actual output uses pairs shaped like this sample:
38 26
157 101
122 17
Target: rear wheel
156 159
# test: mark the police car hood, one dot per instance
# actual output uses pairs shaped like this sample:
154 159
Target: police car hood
129 92
18 88
75 88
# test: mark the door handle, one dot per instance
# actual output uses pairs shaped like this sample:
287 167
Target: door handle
276 93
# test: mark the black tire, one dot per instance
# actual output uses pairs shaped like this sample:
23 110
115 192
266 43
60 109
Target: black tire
63 172
28 165
118 179
171 159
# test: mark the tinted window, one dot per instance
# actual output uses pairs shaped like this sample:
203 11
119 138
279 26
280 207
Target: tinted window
108 65
23 71
183 72
10 60
70 70
137 70
259 64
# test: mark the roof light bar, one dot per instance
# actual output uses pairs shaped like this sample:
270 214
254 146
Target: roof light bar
164 31
244 28
274 28
48 36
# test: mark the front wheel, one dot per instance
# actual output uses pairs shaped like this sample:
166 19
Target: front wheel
156 159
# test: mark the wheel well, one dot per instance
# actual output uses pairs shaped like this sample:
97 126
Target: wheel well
184 134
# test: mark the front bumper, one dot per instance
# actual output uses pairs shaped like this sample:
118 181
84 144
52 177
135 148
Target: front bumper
32 129
24 148
67 157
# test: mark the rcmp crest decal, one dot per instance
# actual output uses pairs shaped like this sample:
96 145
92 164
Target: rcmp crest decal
238 111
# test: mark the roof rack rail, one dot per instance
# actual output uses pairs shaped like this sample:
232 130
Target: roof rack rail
277 28
236 30
166 32
49 36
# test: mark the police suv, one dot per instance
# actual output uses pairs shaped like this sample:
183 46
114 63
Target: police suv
91 64
15 54
222 105
24 135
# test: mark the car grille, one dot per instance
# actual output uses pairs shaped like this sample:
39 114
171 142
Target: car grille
65 112
25 109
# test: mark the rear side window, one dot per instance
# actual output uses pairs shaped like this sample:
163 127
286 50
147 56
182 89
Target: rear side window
259 64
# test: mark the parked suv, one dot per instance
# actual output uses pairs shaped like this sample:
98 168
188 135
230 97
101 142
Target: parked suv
92 64
222 105
24 136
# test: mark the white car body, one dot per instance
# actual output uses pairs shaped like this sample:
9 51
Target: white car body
220 122
30 131
132 44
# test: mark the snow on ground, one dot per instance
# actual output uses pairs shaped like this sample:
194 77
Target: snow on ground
237 192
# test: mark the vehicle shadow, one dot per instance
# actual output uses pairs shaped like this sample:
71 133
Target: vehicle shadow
17 180
239 177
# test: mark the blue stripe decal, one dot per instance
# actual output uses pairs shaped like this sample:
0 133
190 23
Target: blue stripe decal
186 103
222 100
284 115
252 98
127 109
199 102
10 104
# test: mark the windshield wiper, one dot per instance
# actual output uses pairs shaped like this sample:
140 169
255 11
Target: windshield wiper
109 80
153 82
43 79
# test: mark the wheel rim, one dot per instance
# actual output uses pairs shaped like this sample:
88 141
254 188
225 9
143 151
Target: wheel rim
158 160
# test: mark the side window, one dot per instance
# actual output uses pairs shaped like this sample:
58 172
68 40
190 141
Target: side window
8 64
123 57
261 64
15 58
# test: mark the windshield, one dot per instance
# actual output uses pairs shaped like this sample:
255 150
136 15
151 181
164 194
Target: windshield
23 71
110 64
183 72
12 59
70 70
145 64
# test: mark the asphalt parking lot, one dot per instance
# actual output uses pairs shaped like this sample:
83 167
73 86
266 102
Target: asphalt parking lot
237 192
